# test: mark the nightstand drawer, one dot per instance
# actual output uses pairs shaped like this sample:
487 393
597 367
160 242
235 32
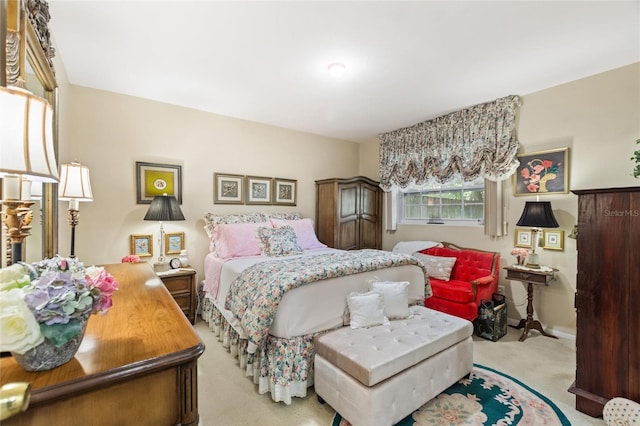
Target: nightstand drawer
181 284
184 301
178 284
526 276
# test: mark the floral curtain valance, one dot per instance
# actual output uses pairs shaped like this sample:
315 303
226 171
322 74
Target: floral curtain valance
477 141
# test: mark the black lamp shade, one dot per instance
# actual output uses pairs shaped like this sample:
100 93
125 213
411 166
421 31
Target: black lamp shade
538 214
164 208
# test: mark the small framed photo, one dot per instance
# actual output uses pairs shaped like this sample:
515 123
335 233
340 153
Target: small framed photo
553 239
523 238
142 245
157 179
173 242
544 172
258 190
227 189
284 191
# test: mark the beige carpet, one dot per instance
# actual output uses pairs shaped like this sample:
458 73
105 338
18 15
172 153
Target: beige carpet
227 398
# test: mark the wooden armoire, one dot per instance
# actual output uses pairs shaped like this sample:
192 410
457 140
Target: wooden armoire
349 213
607 298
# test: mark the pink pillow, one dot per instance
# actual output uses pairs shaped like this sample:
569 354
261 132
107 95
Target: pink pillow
305 234
237 240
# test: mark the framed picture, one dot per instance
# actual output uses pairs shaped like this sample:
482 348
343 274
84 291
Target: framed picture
227 189
284 192
523 238
544 172
158 179
553 239
258 190
173 242
142 245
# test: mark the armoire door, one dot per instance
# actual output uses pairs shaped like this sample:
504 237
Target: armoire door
370 200
348 212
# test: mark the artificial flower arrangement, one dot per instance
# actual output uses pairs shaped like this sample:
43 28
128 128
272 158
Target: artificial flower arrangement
131 258
51 298
520 253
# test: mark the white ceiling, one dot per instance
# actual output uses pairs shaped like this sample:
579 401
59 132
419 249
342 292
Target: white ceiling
406 61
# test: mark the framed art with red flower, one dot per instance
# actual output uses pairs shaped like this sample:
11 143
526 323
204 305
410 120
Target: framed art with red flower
542 173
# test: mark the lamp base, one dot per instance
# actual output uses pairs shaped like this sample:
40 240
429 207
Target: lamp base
161 266
532 262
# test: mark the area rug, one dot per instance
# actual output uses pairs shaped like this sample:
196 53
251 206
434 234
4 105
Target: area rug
484 397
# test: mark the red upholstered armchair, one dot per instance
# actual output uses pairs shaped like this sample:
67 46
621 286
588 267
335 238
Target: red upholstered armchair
474 277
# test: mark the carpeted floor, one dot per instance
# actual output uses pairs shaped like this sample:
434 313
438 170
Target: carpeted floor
228 398
484 397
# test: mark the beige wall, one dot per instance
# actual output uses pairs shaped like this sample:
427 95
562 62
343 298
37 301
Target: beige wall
110 132
598 118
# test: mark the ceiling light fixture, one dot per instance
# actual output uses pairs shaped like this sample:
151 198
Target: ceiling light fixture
336 69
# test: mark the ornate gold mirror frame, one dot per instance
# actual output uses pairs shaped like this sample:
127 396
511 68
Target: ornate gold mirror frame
28 45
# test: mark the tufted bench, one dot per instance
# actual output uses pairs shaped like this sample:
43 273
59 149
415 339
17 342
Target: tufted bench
379 375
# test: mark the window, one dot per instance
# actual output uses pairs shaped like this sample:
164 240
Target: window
455 202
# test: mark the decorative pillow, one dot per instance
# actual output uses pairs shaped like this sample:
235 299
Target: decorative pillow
278 241
285 216
237 240
212 220
437 266
395 296
304 232
366 309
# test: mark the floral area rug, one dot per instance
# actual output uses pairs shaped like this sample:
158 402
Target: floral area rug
484 397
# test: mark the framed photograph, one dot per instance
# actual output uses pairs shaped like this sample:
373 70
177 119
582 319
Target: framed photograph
523 238
142 245
227 189
173 242
158 179
258 190
285 191
553 239
544 172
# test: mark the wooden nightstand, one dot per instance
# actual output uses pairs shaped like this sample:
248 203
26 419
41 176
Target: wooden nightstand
531 277
181 283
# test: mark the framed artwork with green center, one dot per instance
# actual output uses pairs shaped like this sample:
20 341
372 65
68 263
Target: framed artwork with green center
158 179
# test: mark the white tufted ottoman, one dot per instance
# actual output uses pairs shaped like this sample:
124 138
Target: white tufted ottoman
379 375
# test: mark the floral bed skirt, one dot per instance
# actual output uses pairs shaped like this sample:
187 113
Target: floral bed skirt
283 367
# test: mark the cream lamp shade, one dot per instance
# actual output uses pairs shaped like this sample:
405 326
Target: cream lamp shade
75 185
26 136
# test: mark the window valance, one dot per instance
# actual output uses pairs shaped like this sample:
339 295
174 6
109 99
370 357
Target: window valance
477 141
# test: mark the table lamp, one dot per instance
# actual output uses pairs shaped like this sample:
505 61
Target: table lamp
26 152
74 187
536 214
163 208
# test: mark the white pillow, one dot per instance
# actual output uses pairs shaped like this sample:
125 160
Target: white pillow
438 267
395 296
366 309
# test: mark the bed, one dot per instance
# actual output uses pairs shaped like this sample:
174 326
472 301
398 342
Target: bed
270 286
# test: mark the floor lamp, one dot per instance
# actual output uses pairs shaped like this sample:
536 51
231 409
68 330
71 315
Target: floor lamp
74 187
163 208
537 214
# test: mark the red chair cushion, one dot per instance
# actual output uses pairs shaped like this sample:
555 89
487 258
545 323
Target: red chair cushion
454 290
